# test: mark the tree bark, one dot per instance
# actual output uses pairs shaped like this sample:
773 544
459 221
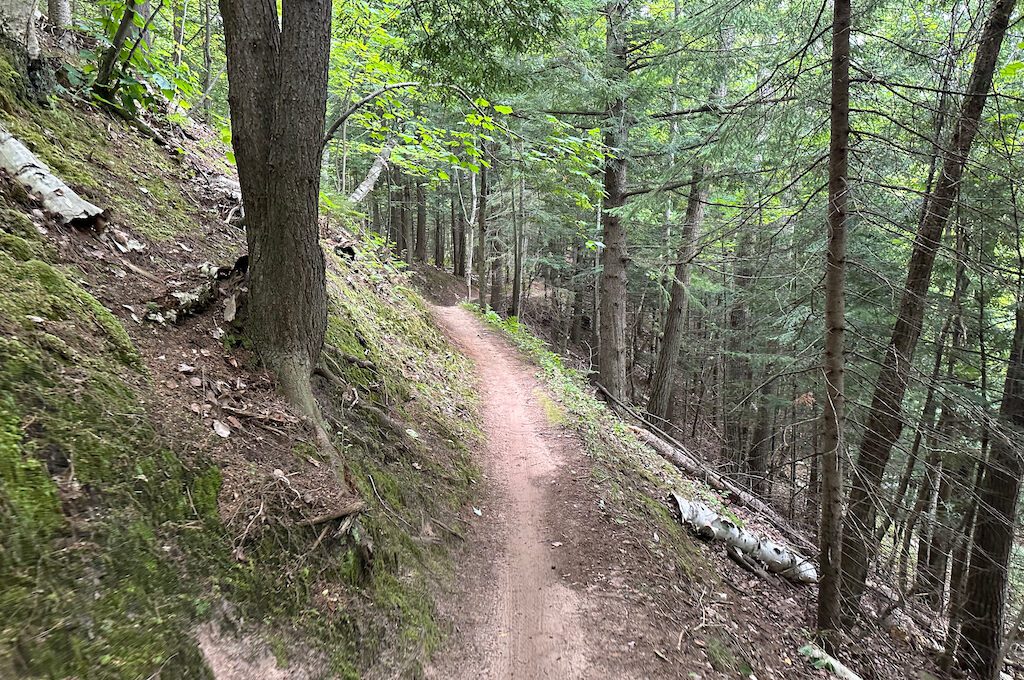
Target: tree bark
614 258
439 244
984 607
421 223
884 419
104 86
663 380
481 215
408 225
207 60
833 414
518 220
277 92
379 163
59 13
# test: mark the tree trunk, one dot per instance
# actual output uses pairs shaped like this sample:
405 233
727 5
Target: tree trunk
497 274
737 369
18 23
612 325
458 240
207 60
104 86
663 380
421 223
983 611
277 92
439 244
518 225
59 13
408 225
481 215
833 415
178 10
884 420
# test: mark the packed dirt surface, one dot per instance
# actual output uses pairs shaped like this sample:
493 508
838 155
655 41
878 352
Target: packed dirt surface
517 613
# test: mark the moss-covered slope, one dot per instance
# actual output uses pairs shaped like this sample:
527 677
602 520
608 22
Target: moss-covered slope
126 526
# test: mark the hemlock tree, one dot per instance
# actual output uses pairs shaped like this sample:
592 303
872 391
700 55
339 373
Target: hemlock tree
611 361
981 651
884 421
277 78
833 416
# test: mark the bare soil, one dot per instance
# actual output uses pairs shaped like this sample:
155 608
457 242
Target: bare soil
545 588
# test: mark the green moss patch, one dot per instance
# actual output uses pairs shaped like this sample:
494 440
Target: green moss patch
95 508
118 169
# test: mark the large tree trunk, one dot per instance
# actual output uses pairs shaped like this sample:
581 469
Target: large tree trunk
983 610
884 420
663 380
614 259
277 92
833 415
18 23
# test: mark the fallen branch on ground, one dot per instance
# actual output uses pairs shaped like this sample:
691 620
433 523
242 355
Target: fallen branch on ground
823 659
745 547
57 197
352 507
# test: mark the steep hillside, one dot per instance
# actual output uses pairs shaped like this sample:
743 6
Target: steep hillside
163 512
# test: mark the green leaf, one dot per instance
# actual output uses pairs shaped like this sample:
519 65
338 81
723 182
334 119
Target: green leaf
442 175
501 108
1012 69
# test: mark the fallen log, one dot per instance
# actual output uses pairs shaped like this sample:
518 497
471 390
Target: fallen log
825 661
677 454
688 464
57 198
778 558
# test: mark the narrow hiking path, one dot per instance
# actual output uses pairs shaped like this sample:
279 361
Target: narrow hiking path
540 592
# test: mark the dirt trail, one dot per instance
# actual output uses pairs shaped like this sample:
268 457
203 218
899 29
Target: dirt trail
542 589
528 623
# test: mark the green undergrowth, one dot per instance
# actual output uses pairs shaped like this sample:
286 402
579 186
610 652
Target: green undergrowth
637 479
405 422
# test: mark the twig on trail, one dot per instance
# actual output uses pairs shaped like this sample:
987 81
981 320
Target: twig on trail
241 539
320 538
447 528
385 505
